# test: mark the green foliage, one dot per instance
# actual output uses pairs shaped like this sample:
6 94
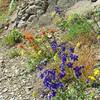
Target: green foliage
13 53
75 26
31 65
12 6
13 37
75 91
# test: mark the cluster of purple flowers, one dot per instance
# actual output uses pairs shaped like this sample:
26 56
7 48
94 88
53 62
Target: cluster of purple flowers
51 82
51 79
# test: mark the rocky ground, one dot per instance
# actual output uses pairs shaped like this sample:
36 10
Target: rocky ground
16 83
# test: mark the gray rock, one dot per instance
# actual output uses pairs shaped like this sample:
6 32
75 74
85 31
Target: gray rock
45 19
25 16
21 23
32 9
32 18
66 3
40 12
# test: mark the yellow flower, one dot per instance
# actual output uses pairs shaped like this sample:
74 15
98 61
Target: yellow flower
35 94
98 37
56 58
39 52
53 14
78 44
69 18
22 52
96 72
92 78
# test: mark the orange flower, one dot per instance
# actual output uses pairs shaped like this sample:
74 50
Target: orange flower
52 30
42 31
28 36
35 46
21 46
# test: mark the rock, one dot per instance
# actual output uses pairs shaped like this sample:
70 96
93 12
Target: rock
66 3
52 4
32 18
21 23
4 90
32 9
25 16
45 19
81 8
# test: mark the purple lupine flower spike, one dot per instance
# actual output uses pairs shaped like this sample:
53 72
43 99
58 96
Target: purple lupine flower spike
58 10
70 64
73 57
54 45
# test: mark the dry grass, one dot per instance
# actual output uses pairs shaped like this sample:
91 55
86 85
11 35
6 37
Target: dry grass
86 58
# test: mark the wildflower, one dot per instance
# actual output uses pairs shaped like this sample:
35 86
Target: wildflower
35 46
53 93
50 82
77 71
92 78
70 64
96 72
28 36
21 46
58 10
56 57
54 45
87 81
40 67
59 54
42 31
69 18
62 74
53 14
64 58
42 76
39 52
35 94
73 57
63 47
62 67
52 30
71 50
78 44
98 37
49 96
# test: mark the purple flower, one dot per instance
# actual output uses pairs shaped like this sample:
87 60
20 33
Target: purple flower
59 54
40 68
53 93
87 81
63 47
42 76
73 57
62 74
71 50
58 10
54 45
49 96
70 64
64 58
77 71
62 67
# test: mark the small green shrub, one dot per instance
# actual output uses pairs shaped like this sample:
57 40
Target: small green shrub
13 37
13 53
12 7
75 91
75 26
